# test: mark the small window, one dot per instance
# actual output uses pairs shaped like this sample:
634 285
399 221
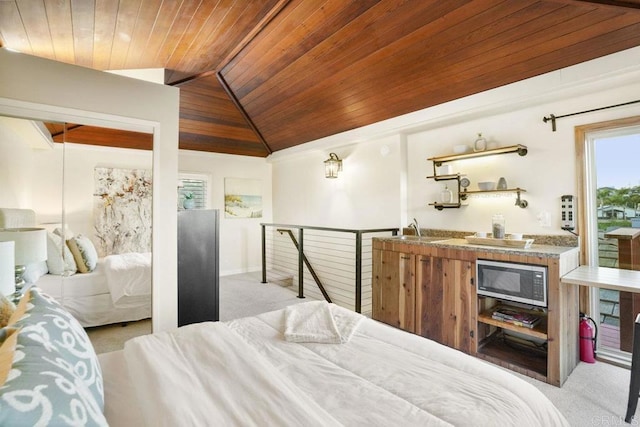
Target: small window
195 185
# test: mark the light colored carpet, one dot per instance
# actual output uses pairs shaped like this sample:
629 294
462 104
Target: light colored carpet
241 295
112 337
594 394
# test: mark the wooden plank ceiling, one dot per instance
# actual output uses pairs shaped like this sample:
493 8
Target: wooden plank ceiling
264 75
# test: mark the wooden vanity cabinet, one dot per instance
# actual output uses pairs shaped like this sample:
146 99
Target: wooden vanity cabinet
430 290
425 294
393 287
446 301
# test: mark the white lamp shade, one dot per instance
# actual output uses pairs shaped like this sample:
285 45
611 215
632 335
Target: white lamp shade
7 268
30 244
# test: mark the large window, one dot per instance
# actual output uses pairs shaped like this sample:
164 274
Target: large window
609 199
195 186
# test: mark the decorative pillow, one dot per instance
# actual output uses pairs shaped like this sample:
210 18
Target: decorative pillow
35 271
6 311
55 377
66 234
84 253
55 261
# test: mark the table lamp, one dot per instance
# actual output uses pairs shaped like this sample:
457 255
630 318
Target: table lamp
30 247
7 268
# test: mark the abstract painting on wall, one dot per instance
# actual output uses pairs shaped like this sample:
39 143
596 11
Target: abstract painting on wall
242 198
122 210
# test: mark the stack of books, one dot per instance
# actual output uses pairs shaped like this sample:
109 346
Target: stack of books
515 317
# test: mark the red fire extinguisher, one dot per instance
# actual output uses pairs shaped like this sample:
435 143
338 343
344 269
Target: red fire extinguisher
587 339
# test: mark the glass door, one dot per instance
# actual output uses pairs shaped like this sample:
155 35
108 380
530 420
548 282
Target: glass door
615 206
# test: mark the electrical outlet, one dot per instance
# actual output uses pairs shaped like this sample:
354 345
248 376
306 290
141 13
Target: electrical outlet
544 219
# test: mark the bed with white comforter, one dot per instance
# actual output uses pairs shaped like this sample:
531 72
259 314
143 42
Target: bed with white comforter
355 371
118 290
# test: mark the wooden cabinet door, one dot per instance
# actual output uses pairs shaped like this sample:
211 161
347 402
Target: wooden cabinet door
446 301
393 289
429 294
461 303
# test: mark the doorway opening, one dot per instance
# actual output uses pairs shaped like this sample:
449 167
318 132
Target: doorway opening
610 193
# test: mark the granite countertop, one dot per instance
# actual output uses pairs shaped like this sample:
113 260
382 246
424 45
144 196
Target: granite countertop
543 250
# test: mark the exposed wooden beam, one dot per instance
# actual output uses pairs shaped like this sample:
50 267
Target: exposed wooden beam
225 86
616 3
613 4
257 29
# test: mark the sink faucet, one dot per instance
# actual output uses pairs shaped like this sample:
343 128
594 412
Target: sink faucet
415 226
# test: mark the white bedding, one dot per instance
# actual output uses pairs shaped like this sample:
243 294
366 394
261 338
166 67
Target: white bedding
244 372
78 285
88 298
128 278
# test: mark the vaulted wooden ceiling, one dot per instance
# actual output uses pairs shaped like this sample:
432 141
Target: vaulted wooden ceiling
258 76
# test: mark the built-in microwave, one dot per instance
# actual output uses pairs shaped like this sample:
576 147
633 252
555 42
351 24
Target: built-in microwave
524 283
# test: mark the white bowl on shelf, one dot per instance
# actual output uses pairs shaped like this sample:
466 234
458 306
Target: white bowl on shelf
460 149
487 185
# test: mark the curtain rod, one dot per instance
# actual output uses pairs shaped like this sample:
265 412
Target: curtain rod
553 118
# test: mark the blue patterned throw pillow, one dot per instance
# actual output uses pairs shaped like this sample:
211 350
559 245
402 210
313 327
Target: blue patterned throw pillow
55 377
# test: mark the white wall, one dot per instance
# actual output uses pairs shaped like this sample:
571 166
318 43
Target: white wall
239 237
366 193
80 161
507 115
48 90
38 179
16 168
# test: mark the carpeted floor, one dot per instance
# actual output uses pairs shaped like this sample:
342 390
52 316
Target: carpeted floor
594 394
112 337
241 295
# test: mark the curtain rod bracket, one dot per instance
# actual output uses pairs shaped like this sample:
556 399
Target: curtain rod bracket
553 121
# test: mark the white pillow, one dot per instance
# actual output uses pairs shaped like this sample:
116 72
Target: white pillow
35 271
55 262
84 253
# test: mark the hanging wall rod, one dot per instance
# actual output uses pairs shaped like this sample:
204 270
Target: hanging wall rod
552 118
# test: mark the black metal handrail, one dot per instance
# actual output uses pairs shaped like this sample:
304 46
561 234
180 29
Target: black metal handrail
302 257
309 266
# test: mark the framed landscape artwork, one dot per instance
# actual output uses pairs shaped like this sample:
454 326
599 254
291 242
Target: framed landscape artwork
242 198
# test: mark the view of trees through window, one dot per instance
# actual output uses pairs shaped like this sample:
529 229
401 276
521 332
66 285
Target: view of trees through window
618 181
618 205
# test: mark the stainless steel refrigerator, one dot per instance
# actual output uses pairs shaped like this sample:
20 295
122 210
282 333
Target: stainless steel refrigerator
198 266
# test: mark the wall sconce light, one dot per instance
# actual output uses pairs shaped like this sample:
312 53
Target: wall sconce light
332 166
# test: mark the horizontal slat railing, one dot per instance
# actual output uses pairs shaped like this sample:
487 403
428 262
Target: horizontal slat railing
340 257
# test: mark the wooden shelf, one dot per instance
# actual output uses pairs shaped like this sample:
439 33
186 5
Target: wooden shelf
441 206
520 149
520 358
538 331
507 190
462 195
450 177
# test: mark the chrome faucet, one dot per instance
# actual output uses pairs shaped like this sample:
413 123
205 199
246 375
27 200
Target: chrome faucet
415 226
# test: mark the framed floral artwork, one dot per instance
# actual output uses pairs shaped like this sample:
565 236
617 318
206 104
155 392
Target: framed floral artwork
122 210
